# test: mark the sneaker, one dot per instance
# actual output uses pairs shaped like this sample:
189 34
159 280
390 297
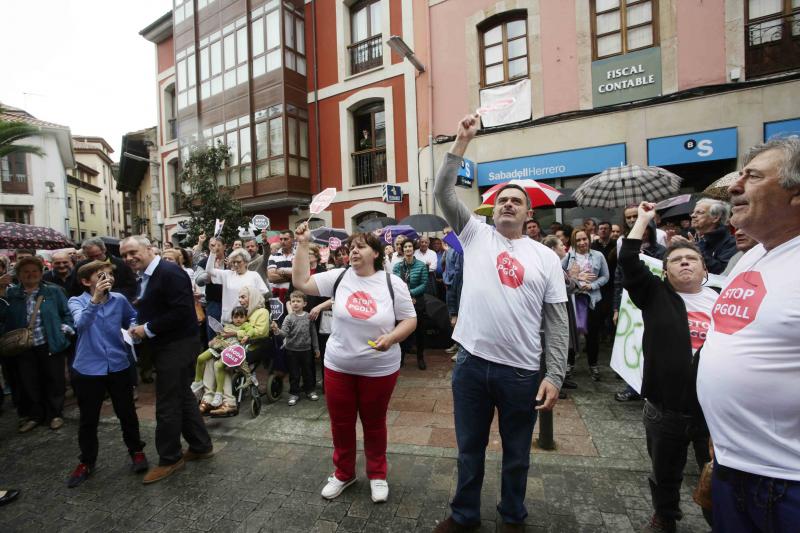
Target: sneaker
313 396
139 463
27 426
626 396
659 525
595 373
452 349
379 489
57 423
293 400
197 389
79 475
335 487
217 401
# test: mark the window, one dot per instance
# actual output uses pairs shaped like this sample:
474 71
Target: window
18 215
169 112
211 65
91 208
235 134
504 49
182 10
366 48
94 234
186 77
297 141
270 160
234 44
69 202
369 155
294 37
266 30
622 26
81 213
14 173
772 36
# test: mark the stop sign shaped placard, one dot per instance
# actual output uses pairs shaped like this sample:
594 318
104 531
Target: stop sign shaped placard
361 305
233 356
510 270
738 303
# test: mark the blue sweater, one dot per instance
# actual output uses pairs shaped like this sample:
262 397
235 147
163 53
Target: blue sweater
101 349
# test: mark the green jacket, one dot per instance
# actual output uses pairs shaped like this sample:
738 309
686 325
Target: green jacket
54 312
417 278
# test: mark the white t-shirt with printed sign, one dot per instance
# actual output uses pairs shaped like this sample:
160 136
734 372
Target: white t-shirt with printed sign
362 311
749 377
506 283
698 308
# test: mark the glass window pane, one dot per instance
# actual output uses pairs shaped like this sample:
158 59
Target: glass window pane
241 45
230 79
517 48
762 8
291 135
258 37
288 29
190 68
494 74
380 128
232 139
259 66
273 60
358 25
639 14
493 54
301 66
515 28
192 96
603 5
244 140
205 89
294 168
244 174
290 59
182 75
230 51
608 45
233 177
375 18
300 45
273 30
518 67
204 66
303 138
276 137
241 73
262 171
216 58
216 85
639 37
222 179
262 151
495 35
304 169
608 22
276 167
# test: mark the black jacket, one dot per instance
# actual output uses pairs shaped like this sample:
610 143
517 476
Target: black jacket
718 247
124 279
653 250
669 377
167 305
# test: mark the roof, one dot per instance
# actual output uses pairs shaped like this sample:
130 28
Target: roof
86 141
86 168
61 133
160 29
15 114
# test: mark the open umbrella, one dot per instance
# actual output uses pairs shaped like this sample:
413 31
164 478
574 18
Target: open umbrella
625 185
324 235
719 189
376 223
540 194
14 235
678 207
390 233
423 223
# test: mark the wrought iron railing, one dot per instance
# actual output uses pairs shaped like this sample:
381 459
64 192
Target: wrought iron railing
773 44
366 54
370 166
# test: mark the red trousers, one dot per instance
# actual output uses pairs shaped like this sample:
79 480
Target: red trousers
368 397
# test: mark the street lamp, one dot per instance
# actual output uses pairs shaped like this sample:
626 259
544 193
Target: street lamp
399 46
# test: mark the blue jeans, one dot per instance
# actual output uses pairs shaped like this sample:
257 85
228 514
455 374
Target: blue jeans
745 503
478 387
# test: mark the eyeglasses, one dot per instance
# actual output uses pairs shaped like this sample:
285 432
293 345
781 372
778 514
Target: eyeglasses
237 262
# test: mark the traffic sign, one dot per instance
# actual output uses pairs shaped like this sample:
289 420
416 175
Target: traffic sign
392 194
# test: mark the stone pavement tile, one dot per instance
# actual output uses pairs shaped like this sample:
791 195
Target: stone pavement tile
618 523
443 406
587 514
569 426
324 526
570 445
427 392
352 523
408 404
409 435
361 508
429 420
409 510
335 511
616 447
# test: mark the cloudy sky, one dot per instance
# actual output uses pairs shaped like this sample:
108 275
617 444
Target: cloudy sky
81 63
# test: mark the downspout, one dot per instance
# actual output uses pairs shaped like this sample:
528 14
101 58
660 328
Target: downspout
316 91
430 107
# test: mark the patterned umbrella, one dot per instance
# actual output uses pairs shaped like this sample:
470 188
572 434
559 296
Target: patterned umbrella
390 233
323 236
625 185
13 236
719 189
541 195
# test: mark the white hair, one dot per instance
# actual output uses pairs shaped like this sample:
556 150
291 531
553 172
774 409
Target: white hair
789 168
241 252
141 240
717 209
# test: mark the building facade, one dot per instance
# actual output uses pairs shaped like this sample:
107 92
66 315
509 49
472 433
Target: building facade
104 207
685 85
34 188
139 180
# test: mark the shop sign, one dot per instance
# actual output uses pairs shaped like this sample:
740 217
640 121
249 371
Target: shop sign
782 128
692 147
626 78
553 165
466 174
392 194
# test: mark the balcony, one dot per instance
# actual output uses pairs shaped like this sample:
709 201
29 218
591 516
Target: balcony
370 166
772 45
366 54
16 185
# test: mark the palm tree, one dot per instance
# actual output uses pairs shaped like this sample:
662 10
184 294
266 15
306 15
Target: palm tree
11 131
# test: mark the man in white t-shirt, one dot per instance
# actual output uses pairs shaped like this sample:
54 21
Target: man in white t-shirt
513 287
749 375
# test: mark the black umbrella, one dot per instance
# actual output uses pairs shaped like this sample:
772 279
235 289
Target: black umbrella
323 235
376 223
423 223
681 210
112 245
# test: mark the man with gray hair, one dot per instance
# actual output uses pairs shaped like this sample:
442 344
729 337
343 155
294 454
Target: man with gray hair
124 279
749 368
710 223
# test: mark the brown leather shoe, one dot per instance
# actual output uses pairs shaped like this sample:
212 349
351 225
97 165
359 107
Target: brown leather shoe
451 526
205 408
189 455
157 473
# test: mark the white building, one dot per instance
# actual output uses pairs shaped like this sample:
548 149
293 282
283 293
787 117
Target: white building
34 188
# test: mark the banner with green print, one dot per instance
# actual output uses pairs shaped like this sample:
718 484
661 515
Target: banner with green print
626 356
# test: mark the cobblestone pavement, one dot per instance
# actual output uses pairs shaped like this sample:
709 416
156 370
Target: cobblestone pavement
269 471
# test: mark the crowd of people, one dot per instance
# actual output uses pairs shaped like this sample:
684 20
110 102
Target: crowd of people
720 368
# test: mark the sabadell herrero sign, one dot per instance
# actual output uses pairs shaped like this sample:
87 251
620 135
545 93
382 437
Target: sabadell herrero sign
626 78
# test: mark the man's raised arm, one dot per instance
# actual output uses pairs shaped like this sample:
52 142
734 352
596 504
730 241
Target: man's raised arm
454 211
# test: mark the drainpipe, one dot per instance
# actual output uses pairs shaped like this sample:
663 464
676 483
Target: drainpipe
316 91
430 107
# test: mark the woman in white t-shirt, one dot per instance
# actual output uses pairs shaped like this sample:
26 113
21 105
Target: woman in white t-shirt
372 313
233 280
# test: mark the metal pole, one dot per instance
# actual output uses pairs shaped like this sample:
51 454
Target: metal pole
545 440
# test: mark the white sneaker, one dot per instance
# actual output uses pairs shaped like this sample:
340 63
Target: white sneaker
217 401
335 487
452 349
293 400
379 489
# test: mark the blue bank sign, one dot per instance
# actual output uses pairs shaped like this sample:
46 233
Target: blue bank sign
782 128
692 147
552 165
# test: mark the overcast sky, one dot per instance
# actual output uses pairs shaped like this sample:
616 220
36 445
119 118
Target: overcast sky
81 63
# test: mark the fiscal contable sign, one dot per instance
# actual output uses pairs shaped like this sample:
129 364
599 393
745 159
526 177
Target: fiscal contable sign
694 147
626 356
627 77
392 194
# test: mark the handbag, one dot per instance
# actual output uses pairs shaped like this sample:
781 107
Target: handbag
702 493
20 340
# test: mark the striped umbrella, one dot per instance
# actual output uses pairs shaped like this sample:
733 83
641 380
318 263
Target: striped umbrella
541 195
626 185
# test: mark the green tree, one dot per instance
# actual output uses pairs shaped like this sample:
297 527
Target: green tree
207 201
11 131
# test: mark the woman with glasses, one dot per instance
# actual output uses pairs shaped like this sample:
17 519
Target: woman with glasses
234 279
